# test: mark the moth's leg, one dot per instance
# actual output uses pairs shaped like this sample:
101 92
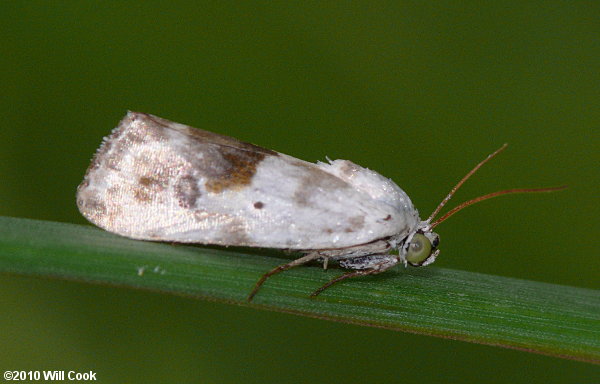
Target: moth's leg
345 276
325 262
373 265
303 260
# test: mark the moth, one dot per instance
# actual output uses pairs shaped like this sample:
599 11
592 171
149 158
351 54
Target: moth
153 179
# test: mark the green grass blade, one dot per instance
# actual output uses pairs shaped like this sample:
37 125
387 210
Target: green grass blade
544 318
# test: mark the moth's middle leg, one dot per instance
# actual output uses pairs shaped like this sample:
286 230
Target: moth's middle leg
302 260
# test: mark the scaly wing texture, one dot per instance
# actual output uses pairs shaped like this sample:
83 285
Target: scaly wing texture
154 179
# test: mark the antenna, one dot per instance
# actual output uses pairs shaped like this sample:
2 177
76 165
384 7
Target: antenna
462 181
494 194
484 197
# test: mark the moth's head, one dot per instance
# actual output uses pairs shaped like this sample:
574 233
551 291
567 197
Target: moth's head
422 248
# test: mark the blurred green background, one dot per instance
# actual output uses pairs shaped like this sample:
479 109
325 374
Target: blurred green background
419 91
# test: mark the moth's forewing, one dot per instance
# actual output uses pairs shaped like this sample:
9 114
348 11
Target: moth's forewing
154 179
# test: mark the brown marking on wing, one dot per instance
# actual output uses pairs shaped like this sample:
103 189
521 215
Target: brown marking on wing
187 191
355 224
313 182
148 187
237 170
142 195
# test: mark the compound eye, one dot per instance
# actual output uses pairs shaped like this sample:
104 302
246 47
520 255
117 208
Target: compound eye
418 250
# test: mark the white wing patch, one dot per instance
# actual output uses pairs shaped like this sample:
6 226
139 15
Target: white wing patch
154 179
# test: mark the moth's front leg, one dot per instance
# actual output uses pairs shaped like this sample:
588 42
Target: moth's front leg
362 266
